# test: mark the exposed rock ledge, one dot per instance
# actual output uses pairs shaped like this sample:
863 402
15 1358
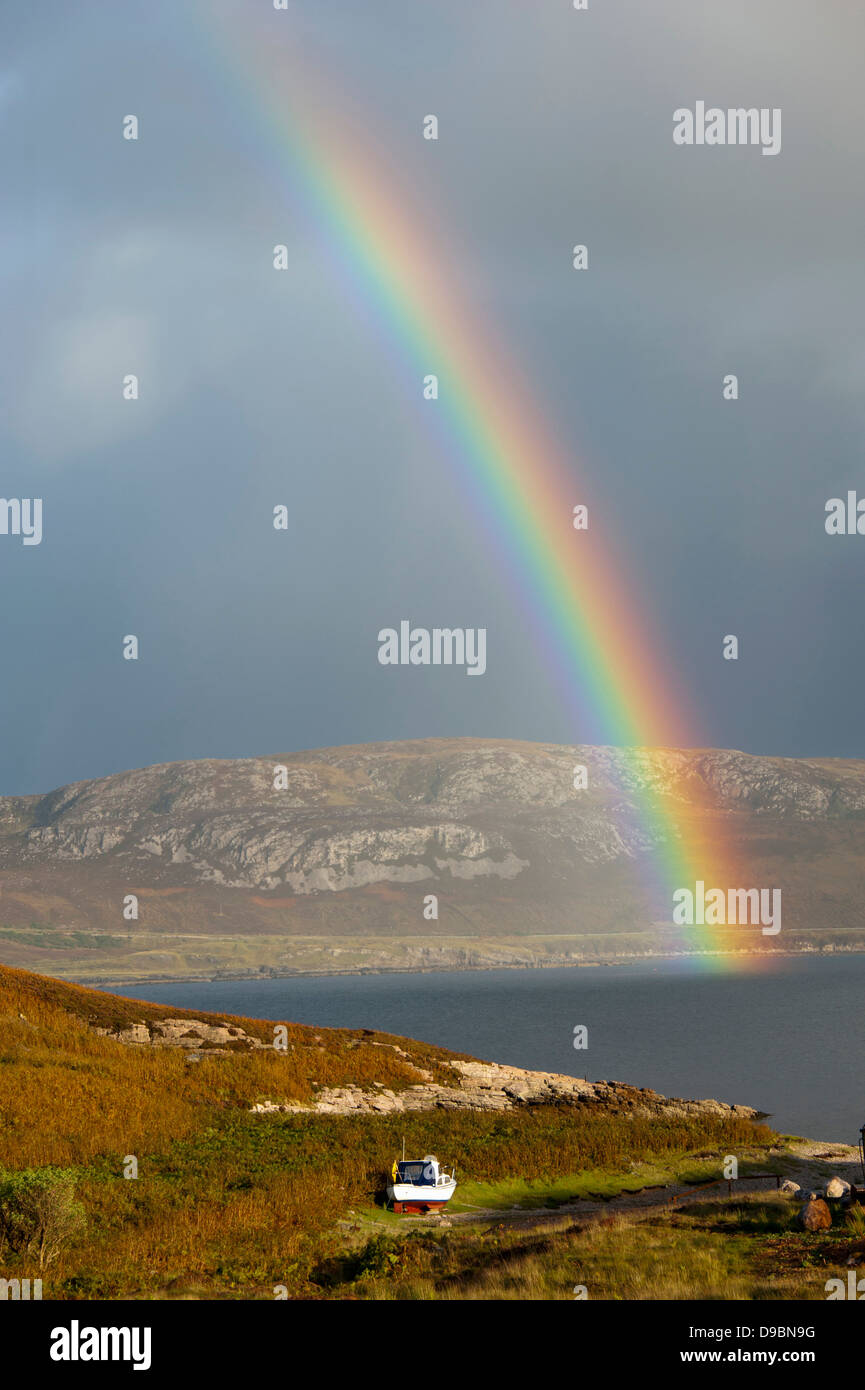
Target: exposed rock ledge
192 1033
490 1086
477 1085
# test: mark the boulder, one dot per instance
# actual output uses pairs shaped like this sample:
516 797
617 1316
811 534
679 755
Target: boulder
789 1189
837 1187
815 1215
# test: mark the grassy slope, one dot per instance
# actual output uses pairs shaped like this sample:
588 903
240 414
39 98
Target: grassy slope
745 1249
228 1204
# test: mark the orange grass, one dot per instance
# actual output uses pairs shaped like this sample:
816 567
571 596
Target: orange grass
68 1094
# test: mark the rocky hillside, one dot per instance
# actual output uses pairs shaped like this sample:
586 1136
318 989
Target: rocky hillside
348 842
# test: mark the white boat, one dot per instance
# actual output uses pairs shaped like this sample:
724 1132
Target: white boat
420 1184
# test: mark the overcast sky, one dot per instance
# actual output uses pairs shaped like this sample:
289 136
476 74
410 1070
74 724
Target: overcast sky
256 388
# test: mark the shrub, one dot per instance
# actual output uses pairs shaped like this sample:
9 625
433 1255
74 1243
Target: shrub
38 1212
379 1256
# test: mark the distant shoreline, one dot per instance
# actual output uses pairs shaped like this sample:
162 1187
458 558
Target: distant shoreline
112 983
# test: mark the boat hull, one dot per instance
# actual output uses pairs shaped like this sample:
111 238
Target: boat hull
408 1196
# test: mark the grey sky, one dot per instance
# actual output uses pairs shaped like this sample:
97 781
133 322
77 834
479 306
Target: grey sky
258 388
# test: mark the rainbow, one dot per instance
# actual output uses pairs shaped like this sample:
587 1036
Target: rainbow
598 645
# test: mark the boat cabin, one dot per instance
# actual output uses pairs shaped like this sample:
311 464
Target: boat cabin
420 1172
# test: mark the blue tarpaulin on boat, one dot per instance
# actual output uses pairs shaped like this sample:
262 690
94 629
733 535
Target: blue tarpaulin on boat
418 1173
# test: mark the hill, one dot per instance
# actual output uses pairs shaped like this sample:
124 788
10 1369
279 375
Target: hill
323 860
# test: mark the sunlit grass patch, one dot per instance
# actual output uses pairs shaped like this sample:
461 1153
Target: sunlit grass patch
558 1191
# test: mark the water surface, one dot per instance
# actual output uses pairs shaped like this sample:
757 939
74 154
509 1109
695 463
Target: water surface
790 1041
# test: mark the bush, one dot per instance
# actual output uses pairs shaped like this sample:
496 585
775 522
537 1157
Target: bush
379 1256
38 1212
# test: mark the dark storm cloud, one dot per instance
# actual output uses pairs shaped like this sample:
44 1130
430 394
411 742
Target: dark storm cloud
556 127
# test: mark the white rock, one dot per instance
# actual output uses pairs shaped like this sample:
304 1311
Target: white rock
837 1187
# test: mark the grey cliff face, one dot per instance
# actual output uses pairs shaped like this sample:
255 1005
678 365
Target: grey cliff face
404 812
496 826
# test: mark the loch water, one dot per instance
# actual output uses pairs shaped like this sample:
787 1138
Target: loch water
788 1039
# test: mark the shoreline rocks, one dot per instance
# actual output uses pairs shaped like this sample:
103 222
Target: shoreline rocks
493 1086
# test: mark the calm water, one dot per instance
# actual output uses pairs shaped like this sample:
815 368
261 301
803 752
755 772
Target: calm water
790 1041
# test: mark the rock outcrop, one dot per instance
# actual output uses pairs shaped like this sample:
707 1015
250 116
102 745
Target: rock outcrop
490 1086
192 1033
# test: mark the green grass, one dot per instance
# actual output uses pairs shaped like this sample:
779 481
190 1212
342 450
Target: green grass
48 937
528 1194
603 1184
